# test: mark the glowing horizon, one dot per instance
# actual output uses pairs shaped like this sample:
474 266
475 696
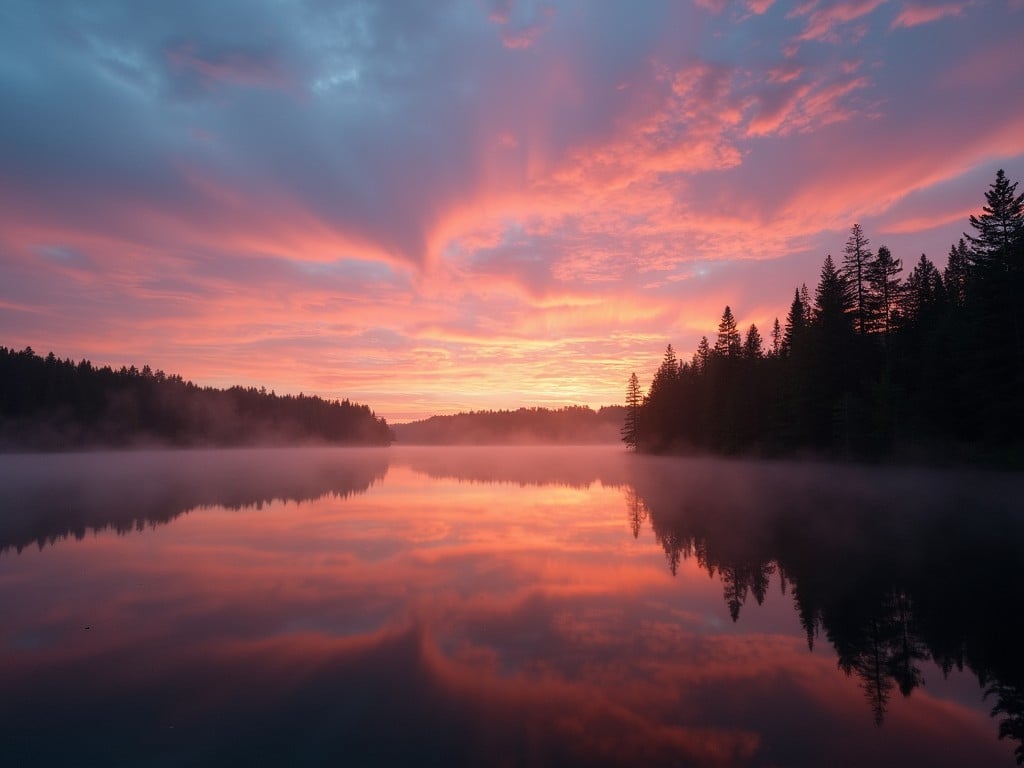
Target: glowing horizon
445 207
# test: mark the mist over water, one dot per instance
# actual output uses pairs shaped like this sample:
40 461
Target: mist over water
510 605
49 497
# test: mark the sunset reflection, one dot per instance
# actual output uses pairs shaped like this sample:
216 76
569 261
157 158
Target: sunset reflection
469 618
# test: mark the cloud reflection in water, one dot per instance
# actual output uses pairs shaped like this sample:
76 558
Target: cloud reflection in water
464 607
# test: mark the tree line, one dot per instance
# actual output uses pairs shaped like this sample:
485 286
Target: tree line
53 404
571 425
879 361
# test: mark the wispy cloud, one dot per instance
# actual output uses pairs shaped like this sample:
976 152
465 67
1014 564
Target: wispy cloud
825 17
522 23
238 67
914 14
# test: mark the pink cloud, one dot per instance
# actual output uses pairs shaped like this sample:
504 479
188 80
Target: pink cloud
922 223
785 73
521 26
906 164
231 68
823 20
501 10
521 38
914 14
714 6
774 110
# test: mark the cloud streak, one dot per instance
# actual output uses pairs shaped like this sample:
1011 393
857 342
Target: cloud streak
915 14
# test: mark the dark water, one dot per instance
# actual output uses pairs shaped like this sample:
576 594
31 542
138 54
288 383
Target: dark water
505 607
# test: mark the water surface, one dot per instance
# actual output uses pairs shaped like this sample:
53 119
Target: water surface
528 606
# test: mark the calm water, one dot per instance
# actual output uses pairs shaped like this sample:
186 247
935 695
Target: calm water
504 607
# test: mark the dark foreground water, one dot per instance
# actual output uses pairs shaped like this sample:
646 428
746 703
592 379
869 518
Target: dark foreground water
505 607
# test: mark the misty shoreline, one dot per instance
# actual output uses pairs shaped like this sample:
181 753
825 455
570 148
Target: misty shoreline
471 453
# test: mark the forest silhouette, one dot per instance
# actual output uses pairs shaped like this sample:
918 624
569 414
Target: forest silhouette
872 366
52 404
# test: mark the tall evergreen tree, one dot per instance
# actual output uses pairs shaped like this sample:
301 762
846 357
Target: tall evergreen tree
1000 226
729 343
828 373
924 291
753 346
776 338
856 261
884 284
631 427
668 370
702 355
956 274
796 325
805 300
995 310
663 404
832 298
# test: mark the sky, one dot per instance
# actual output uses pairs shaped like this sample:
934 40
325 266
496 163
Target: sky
432 207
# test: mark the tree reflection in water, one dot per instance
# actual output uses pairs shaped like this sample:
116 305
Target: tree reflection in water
128 491
892 570
434 614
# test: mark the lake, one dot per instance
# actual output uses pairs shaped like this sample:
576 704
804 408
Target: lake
505 606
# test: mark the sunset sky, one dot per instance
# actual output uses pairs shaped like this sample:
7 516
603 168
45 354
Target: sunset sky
441 206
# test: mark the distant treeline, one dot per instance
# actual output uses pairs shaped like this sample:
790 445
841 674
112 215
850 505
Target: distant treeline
567 426
52 404
872 365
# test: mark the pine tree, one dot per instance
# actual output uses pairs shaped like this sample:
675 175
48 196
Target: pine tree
957 273
856 260
805 299
662 407
924 291
884 286
729 343
827 377
796 325
1000 226
776 338
832 298
667 372
995 311
753 346
701 356
631 427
